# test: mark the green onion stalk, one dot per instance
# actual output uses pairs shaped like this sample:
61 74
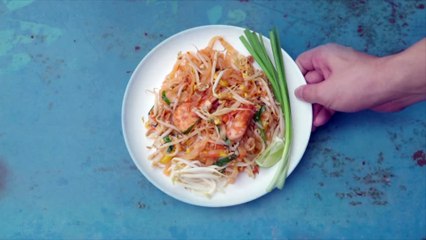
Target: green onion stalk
279 150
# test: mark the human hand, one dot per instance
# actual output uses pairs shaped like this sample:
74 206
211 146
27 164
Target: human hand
334 82
342 79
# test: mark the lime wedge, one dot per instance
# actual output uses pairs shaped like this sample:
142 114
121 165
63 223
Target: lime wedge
272 154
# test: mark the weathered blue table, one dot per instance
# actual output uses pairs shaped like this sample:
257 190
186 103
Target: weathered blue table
65 171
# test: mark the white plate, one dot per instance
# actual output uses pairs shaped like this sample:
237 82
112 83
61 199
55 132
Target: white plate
137 102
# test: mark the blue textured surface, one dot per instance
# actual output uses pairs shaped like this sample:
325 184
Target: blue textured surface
64 168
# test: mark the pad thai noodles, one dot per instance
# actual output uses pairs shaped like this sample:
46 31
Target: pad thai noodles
213 115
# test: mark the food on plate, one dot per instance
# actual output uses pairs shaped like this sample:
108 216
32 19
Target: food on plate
214 114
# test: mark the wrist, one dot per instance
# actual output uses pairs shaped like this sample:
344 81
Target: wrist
402 77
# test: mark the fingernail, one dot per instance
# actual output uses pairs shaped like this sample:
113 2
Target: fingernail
298 92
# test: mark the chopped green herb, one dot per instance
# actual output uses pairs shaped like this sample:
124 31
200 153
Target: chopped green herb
164 97
225 160
259 113
167 140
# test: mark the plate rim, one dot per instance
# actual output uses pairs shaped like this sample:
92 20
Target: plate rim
124 128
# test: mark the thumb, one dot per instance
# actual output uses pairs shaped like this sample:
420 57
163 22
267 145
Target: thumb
309 93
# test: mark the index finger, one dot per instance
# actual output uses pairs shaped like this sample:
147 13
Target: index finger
304 61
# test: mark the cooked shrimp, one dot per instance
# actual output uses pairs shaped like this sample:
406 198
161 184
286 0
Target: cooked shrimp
183 117
237 126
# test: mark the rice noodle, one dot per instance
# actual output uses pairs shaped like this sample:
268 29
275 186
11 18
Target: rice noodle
213 70
200 103
239 98
206 180
216 82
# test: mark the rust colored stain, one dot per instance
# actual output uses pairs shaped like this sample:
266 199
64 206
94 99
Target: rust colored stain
360 29
375 195
370 184
420 158
394 11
